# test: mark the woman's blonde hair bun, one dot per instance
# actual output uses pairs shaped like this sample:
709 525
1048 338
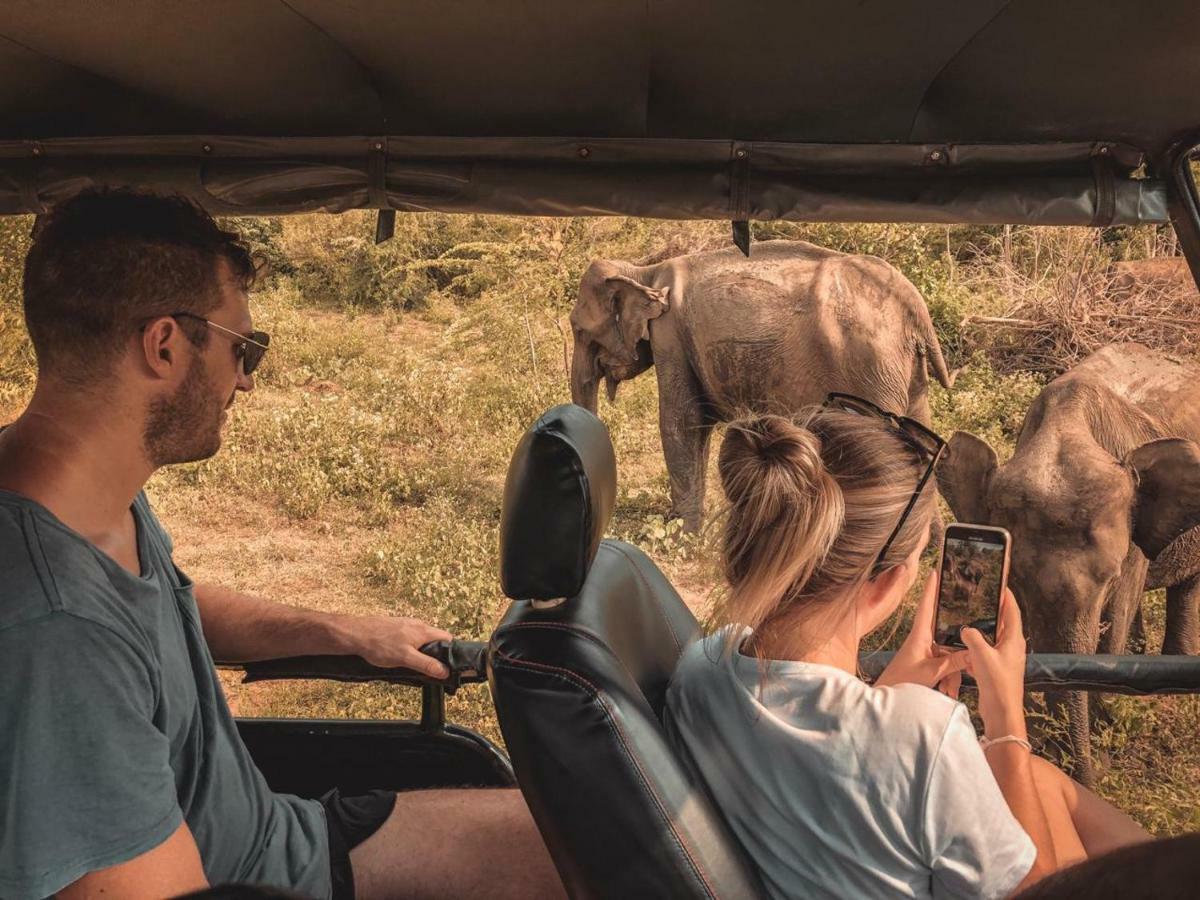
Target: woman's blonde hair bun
771 447
784 504
810 502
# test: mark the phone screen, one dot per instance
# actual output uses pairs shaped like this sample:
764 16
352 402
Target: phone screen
973 573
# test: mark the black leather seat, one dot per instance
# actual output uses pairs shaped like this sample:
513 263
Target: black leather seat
579 669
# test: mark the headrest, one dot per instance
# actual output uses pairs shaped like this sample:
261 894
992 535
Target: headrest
558 498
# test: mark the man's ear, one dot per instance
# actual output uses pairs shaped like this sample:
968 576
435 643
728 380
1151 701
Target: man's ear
964 473
160 342
1167 499
634 305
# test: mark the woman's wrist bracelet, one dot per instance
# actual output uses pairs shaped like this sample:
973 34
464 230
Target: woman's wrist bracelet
985 743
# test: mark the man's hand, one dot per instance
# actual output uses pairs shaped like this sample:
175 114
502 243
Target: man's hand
393 641
919 660
240 628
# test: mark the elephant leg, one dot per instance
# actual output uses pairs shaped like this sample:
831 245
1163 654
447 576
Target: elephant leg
685 428
1183 617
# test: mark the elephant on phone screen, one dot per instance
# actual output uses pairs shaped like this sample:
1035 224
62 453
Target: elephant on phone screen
965 574
771 333
1102 498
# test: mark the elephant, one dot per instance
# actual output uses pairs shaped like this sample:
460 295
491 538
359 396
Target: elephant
729 335
969 589
966 575
1102 498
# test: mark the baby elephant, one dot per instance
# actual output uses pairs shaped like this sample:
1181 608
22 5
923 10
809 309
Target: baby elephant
1102 497
771 333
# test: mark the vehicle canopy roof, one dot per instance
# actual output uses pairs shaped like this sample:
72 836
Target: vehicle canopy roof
993 111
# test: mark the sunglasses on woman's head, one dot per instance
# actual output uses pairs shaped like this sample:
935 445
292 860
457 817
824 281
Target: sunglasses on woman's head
929 444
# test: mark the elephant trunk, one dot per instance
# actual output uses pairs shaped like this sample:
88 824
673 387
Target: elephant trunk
1075 633
1071 708
584 386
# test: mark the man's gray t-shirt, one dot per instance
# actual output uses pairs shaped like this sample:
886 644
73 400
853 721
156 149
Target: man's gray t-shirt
113 725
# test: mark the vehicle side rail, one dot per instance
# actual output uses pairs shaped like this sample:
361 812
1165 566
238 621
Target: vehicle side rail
1110 674
466 660
1114 674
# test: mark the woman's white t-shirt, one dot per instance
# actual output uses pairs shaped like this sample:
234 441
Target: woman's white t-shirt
838 789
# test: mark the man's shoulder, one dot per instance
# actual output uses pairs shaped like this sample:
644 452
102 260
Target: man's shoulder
47 568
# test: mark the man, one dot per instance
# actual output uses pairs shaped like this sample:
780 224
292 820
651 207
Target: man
121 770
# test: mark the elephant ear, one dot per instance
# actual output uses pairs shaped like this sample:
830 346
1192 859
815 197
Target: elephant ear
964 473
633 306
1168 492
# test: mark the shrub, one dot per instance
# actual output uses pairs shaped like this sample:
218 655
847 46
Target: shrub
986 403
262 235
17 366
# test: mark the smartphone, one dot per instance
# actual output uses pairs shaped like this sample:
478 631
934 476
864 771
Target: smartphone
974 573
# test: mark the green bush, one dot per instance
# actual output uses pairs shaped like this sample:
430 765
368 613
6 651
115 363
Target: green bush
445 566
990 405
262 235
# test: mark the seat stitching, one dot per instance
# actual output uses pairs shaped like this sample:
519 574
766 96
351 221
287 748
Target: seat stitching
581 631
569 676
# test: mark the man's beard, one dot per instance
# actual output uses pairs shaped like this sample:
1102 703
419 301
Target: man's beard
186 426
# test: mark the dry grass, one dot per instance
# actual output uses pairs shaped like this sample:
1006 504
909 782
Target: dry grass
1074 300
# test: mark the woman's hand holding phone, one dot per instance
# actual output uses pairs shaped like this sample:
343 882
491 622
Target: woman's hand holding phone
1000 672
919 660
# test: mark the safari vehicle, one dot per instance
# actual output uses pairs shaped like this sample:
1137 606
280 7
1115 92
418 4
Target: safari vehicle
1069 113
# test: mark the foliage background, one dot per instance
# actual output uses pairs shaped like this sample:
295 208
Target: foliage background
365 472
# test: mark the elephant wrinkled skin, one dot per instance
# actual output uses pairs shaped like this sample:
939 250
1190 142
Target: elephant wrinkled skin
771 333
1102 497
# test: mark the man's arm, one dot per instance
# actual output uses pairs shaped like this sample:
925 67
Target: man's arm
242 628
170 869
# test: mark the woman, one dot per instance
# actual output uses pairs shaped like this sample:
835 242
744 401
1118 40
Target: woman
834 787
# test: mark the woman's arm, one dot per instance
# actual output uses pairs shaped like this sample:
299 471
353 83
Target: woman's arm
1010 763
1000 674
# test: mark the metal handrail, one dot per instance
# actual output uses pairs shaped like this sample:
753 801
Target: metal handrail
467 660
1099 673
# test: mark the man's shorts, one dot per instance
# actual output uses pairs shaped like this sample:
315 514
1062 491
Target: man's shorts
350 821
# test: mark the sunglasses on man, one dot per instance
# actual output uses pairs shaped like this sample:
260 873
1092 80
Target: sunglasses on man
928 444
249 349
